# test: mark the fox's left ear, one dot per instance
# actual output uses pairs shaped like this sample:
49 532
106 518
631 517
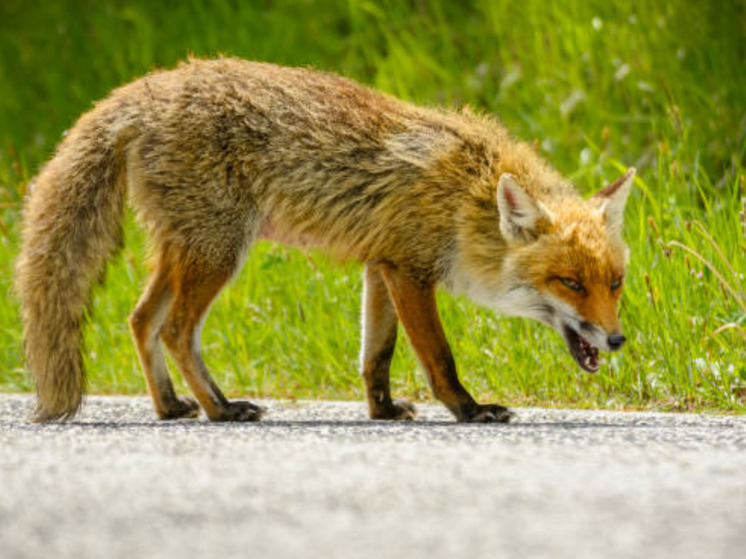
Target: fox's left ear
613 199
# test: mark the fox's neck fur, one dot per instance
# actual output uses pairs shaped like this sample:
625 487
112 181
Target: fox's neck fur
480 151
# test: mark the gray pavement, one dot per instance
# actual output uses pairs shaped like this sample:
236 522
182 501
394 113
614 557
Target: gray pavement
317 479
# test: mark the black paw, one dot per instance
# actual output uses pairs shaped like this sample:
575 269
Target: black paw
488 413
184 407
240 411
396 410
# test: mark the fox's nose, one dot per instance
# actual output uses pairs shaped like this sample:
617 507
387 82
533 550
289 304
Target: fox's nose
616 341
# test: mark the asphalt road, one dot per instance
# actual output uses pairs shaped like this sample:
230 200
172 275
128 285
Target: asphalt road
317 479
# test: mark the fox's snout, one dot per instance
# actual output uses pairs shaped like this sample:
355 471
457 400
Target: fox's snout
616 341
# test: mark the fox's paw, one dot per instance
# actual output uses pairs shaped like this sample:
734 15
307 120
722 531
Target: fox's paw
488 413
396 410
239 411
184 407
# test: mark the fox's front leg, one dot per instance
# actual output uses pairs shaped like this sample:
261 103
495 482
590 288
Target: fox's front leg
416 308
378 343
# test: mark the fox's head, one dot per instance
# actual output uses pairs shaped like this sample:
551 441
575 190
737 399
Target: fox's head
563 264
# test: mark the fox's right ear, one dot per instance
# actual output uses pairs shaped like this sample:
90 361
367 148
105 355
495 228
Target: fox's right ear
613 198
519 213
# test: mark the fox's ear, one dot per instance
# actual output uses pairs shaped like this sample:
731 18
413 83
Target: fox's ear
519 213
613 199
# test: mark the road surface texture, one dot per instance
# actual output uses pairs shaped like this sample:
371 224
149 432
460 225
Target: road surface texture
319 480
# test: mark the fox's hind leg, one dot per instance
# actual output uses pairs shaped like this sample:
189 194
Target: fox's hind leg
378 343
146 323
195 286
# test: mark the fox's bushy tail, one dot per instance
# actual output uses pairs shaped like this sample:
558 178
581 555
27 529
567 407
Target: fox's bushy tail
72 227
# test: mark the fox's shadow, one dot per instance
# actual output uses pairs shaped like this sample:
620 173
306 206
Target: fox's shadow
343 425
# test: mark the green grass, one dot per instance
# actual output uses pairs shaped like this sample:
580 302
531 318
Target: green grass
598 85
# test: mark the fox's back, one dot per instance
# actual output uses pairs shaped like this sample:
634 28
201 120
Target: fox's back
235 109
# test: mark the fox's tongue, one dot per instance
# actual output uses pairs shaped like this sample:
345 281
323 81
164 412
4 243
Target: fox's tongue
589 355
585 354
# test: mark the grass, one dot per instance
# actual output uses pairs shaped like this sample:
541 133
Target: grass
598 86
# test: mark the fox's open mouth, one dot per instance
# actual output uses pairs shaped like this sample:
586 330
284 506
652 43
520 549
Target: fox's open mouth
585 354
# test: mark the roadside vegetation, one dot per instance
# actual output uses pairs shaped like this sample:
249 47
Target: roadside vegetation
598 86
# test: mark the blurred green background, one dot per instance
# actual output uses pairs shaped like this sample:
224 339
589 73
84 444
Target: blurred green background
598 85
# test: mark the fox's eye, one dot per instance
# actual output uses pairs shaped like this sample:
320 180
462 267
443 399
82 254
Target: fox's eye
617 283
571 284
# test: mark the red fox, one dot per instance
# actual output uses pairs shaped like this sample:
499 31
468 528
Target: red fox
216 154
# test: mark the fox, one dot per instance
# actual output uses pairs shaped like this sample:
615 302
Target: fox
215 154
